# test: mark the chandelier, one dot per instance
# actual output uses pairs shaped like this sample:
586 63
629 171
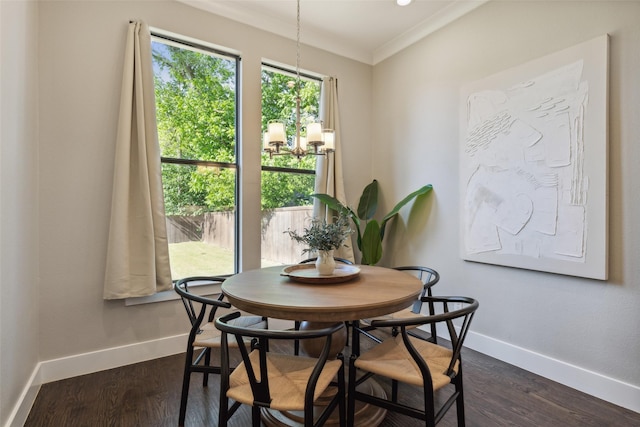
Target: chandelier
318 141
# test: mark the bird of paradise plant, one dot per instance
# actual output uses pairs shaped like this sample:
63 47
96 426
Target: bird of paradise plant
369 240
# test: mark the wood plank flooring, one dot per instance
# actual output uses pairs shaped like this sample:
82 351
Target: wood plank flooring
148 394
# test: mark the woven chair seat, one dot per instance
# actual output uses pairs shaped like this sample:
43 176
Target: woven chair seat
209 335
402 314
392 360
429 278
288 378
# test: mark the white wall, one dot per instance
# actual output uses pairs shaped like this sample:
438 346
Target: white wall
81 55
18 202
584 325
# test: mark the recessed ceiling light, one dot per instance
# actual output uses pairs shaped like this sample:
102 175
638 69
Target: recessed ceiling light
403 2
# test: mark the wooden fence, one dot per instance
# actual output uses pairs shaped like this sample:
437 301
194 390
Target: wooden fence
217 228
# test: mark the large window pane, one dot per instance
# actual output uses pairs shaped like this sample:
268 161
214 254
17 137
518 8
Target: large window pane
196 114
202 236
287 182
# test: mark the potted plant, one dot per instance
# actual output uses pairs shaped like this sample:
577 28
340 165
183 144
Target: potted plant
370 240
323 238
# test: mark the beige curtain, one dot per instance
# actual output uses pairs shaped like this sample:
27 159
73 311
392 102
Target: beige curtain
329 167
138 252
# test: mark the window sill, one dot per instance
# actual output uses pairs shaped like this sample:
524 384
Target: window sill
205 288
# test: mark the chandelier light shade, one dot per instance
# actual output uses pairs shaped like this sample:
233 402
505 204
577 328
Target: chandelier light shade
314 133
329 136
318 141
276 132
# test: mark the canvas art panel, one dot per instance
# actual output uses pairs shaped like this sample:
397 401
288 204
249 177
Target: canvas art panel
534 164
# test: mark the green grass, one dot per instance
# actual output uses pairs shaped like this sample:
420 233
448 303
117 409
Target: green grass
201 259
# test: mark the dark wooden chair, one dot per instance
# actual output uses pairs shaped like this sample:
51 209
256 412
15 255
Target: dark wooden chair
203 335
282 382
429 278
427 366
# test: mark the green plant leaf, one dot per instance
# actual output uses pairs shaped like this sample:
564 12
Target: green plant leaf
368 201
337 206
322 235
371 243
330 201
424 190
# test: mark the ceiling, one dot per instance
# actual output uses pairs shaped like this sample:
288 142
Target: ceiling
368 31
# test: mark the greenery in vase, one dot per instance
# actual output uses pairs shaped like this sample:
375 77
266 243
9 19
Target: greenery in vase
322 235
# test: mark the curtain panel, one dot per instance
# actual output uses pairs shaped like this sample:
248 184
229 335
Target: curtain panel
138 251
329 178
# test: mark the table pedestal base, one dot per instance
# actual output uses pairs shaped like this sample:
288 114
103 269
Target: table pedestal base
365 415
313 347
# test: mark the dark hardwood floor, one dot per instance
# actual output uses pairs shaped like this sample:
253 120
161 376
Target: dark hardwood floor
148 394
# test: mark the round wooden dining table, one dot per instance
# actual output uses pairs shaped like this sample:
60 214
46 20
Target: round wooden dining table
374 291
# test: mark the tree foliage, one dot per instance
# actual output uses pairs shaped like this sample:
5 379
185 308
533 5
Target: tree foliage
278 102
196 115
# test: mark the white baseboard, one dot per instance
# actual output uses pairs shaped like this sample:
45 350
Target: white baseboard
86 363
100 360
20 412
600 386
595 384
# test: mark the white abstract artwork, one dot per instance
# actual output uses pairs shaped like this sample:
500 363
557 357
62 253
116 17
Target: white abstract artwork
534 164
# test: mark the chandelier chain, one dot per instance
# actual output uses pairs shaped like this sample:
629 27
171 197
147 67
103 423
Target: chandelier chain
298 48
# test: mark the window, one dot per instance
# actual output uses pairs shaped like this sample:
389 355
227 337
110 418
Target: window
287 183
197 106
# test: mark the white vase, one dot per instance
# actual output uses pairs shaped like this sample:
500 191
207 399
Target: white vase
325 264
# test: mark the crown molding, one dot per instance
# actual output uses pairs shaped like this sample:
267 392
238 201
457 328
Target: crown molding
425 28
236 11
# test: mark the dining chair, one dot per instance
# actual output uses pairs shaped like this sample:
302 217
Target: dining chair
282 382
419 363
203 335
429 277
